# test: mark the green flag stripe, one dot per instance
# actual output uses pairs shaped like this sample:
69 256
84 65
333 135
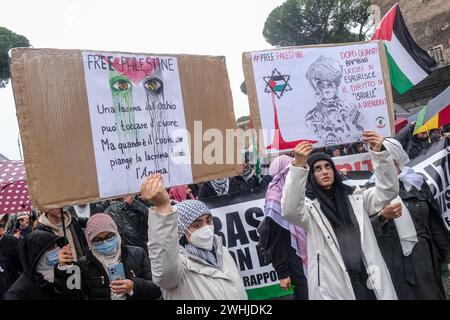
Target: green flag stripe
420 117
279 87
398 79
273 291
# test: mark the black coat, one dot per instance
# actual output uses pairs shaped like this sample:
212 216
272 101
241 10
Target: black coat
418 275
14 224
95 281
413 146
31 285
237 184
9 256
79 238
285 261
95 208
132 222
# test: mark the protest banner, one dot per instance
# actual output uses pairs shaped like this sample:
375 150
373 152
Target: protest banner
236 217
434 165
354 162
94 124
327 94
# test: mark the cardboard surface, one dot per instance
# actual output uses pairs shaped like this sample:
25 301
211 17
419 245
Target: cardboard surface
53 114
252 90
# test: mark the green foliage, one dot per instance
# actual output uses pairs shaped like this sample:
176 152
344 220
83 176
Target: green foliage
243 87
302 22
8 40
243 119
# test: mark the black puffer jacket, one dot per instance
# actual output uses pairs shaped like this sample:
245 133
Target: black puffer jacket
132 222
4 279
95 281
31 285
9 257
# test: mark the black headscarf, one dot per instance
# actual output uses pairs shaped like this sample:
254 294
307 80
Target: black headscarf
337 208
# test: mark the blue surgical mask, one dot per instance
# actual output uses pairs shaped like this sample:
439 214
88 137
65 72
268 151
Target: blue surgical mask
106 246
53 257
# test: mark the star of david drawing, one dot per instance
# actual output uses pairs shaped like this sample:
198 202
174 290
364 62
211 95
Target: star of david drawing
277 83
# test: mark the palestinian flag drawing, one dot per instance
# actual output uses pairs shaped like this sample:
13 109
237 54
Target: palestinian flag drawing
408 63
277 83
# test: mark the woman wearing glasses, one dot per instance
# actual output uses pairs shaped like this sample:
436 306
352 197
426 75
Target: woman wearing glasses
109 271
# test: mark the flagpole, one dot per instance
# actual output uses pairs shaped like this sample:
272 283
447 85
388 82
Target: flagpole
20 150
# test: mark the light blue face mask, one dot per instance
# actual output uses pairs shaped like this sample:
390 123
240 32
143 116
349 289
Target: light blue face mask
106 246
53 257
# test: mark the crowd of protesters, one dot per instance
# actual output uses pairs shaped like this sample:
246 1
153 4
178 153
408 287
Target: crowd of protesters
324 239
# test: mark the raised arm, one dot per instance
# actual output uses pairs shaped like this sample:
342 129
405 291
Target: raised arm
163 247
293 199
386 186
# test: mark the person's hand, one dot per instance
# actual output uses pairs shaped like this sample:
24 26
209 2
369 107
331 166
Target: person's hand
301 153
128 199
65 256
392 211
344 171
152 189
17 234
122 286
285 283
374 140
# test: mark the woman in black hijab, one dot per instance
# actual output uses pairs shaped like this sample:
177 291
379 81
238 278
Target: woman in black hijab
344 260
334 202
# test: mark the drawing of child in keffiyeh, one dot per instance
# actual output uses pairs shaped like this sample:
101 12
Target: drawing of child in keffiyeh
334 120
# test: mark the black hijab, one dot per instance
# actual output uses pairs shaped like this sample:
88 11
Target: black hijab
337 208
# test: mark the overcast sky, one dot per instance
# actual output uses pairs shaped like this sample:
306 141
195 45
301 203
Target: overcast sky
212 27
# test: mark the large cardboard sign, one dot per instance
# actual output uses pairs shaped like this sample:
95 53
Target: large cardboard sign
94 124
328 94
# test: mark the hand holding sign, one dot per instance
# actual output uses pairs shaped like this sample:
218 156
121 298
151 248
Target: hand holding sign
285 283
301 153
65 256
392 211
374 140
152 189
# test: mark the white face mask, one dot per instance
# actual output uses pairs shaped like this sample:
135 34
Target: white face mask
203 238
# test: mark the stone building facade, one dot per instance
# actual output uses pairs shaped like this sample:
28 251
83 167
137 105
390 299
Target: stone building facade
428 21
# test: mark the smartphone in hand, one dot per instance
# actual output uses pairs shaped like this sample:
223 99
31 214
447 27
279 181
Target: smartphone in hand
116 272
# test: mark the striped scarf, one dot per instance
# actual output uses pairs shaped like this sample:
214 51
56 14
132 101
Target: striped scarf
221 186
212 257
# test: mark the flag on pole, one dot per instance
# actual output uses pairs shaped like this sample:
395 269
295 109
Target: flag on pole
255 150
408 63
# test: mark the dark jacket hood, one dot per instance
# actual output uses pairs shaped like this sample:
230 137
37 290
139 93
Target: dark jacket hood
33 246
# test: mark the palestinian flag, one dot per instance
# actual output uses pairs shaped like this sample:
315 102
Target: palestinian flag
408 63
